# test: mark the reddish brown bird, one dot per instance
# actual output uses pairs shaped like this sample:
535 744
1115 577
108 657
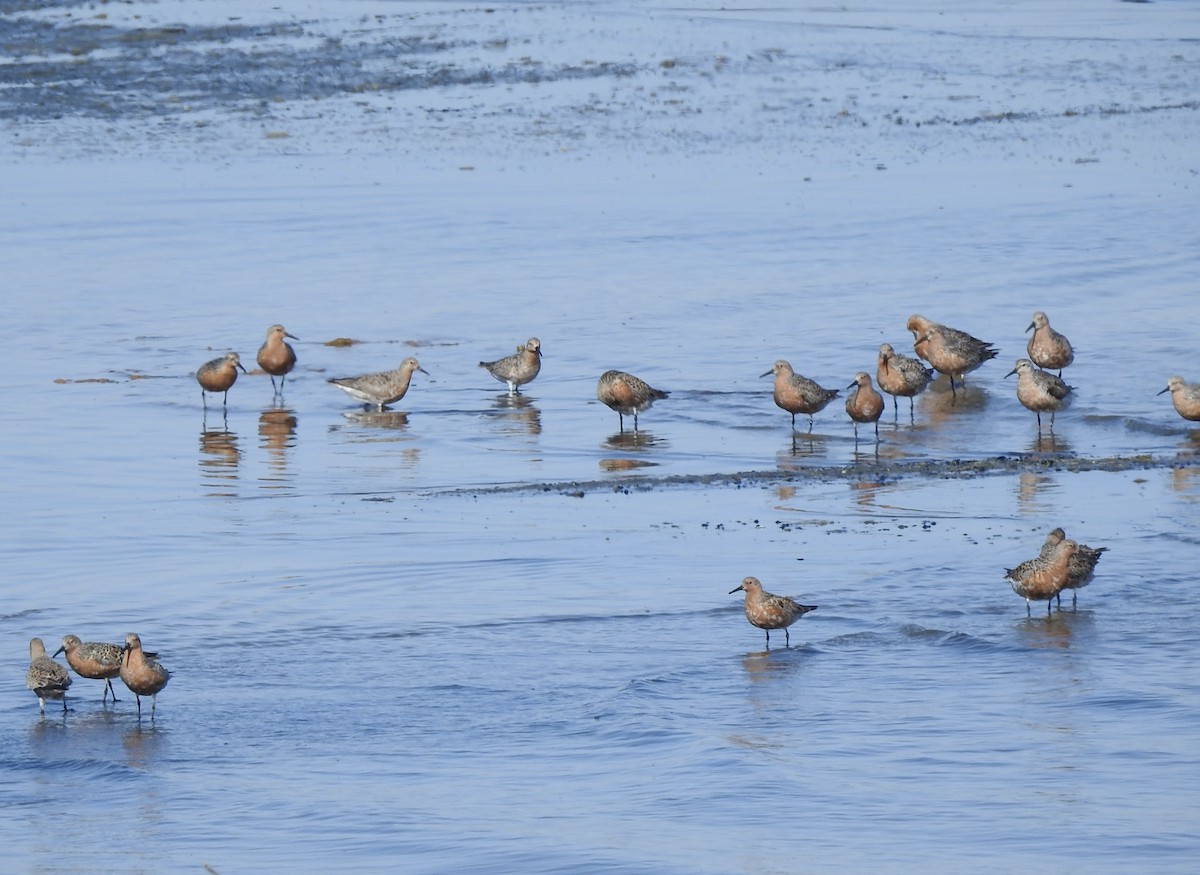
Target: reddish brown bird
768 611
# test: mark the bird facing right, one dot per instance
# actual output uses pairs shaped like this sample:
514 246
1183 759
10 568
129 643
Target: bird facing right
380 389
519 368
218 375
276 356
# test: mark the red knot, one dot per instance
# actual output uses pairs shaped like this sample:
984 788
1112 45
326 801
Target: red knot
46 678
1185 397
1044 576
627 395
383 388
519 368
901 375
1047 348
95 660
1040 391
142 673
798 394
950 351
864 404
218 375
768 611
276 356
1082 568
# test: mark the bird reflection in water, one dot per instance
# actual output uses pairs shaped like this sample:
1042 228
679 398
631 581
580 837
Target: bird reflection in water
1049 444
637 440
1186 479
394 420
1051 631
803 446
517 415
1030 487
142 745
939 404
277 433
631 441
219 455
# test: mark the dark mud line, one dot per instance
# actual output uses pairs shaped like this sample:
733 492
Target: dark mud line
882 472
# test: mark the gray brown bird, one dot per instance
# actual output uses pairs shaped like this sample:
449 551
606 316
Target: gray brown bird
519 368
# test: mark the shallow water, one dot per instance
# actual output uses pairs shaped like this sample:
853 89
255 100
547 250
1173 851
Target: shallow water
478 633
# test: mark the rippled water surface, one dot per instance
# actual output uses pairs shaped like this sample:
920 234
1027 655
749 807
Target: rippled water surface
485 633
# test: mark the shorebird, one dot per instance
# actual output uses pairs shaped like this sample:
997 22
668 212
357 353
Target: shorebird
1082 568
141 673
46 678
1045 576
1185 397
901 375
950 351
1047 348
627 395
798 394
94 660
383 388
864 404
519 368
218 375
768 611
1039 391
276 355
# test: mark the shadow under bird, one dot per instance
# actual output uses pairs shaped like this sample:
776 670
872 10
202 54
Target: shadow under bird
948 350
1040 391
218 376
381 389
901 376
276 356
798 394
45 677
768 611
1047 348
94 660
864 404
1044 576
519 368
1185 397
142 673
627 395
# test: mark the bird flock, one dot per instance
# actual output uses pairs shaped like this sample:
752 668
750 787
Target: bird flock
138 669
939 349
1061 564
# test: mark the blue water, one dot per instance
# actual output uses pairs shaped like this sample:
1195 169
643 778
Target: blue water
485 634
